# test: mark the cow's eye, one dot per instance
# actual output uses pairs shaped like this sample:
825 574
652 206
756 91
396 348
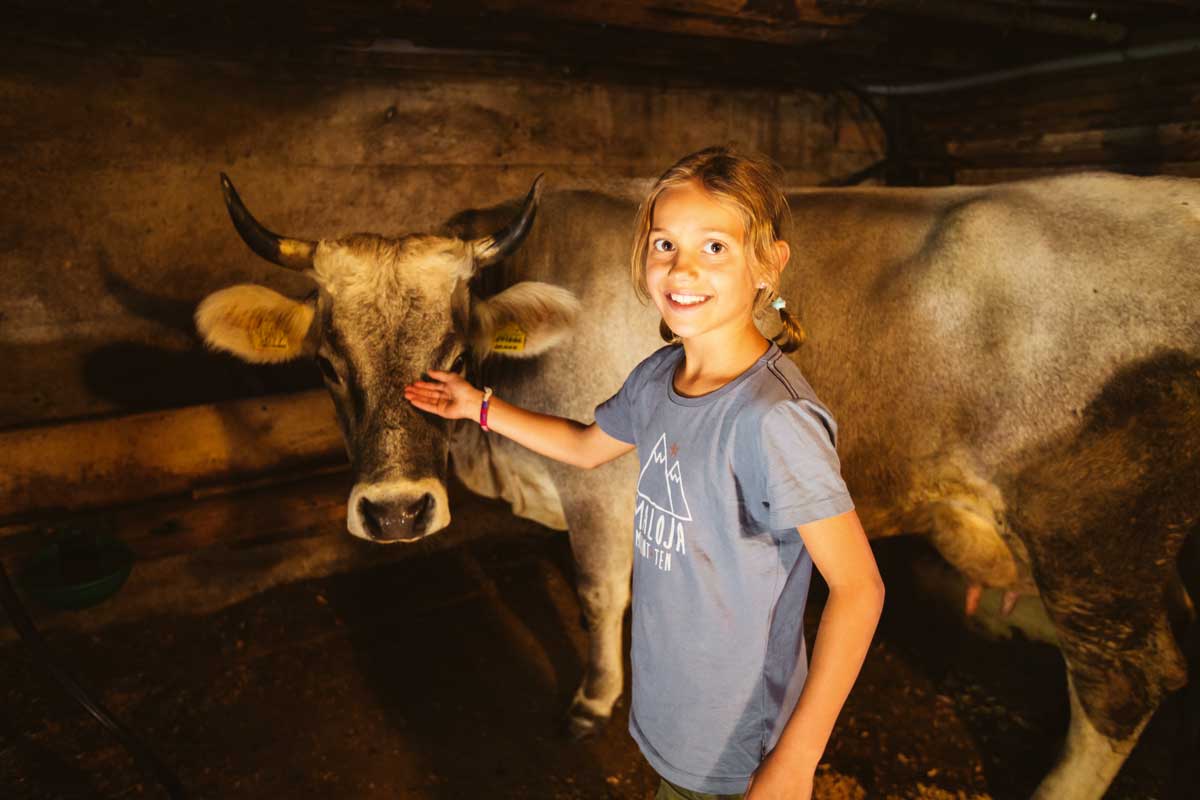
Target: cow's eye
327 370
459 363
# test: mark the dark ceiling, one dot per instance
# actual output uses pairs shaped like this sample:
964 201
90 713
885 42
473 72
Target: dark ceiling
811 43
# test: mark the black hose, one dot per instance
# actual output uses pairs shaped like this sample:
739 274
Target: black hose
34 641
856 178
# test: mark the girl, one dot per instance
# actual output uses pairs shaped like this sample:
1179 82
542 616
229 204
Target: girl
739 494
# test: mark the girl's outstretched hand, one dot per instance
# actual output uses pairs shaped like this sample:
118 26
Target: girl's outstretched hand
446 394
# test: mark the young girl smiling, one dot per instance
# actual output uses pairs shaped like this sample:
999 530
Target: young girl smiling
740 494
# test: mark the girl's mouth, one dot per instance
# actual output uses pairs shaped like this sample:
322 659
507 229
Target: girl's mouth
683 300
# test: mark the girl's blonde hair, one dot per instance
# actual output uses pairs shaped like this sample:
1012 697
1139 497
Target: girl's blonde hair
751 184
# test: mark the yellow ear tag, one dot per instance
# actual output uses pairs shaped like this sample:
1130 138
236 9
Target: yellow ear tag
268 337
509 339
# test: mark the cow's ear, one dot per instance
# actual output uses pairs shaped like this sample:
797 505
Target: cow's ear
523 321
255 323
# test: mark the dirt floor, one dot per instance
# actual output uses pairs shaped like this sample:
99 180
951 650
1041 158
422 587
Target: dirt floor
446 676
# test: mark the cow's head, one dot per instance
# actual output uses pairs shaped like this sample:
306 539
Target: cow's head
385 311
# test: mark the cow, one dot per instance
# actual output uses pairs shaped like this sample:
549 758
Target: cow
1016 369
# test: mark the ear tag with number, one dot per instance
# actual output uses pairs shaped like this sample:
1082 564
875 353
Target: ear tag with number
509 339
268 337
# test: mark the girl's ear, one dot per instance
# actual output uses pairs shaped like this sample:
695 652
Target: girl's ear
782 253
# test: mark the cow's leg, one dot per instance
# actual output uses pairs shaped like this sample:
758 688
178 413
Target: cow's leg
1103 512
1110 615
1122 660
1089 760
599 512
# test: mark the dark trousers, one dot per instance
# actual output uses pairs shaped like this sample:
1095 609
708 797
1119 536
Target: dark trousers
669 791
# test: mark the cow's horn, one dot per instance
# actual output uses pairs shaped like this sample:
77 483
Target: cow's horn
290 253
491 249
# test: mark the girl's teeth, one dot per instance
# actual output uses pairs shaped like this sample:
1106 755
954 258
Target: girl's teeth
688 299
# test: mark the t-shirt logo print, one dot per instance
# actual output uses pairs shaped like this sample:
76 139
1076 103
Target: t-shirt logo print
662 508
660 484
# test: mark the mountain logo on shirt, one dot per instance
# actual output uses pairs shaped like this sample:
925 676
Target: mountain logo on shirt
661 485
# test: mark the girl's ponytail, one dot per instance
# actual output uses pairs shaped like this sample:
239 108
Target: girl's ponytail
792 336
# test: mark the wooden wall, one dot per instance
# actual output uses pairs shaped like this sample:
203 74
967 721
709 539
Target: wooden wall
1141 118
114 228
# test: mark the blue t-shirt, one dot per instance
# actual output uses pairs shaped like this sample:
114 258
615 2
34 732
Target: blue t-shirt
720 575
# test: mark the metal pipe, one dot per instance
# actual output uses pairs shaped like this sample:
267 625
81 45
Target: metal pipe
1122 56
142 755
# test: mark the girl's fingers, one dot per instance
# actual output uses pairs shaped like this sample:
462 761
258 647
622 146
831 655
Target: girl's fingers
424 397
433 407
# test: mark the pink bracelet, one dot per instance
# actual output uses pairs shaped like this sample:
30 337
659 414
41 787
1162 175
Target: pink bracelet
483 407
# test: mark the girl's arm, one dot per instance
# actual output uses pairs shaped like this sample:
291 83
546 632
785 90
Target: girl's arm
839 549
449 395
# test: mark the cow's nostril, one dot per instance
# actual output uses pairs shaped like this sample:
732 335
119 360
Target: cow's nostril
421 512
371 514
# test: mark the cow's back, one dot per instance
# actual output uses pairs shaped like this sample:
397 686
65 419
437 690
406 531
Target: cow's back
950 330
974 323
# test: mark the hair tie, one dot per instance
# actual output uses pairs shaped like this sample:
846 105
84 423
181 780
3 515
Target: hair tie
778 303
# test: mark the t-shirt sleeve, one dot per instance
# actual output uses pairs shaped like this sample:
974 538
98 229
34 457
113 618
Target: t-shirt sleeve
800 468
615 415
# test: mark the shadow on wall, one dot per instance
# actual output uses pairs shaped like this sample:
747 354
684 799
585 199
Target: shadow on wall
138 376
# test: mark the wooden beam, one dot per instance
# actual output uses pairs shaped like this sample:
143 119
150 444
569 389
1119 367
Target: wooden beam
578 47
1118 110
801 22
1017 19
437 42
106 462
1171 142
1103 7
174 526
986 176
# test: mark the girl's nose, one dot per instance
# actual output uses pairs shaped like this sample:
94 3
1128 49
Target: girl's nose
684 265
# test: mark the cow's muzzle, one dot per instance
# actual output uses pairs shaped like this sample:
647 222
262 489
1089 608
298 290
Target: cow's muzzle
400 511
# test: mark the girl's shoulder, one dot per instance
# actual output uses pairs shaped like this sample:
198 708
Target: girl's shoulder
779 381
781 393
663 357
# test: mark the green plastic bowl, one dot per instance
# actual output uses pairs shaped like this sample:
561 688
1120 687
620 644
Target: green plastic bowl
77 570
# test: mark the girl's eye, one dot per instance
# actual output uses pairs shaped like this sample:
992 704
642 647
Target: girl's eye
714 248
459 363
663 245
327 370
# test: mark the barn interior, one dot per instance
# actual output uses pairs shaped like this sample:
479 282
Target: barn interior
240 631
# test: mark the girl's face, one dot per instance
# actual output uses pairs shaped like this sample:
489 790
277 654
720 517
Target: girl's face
696 266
